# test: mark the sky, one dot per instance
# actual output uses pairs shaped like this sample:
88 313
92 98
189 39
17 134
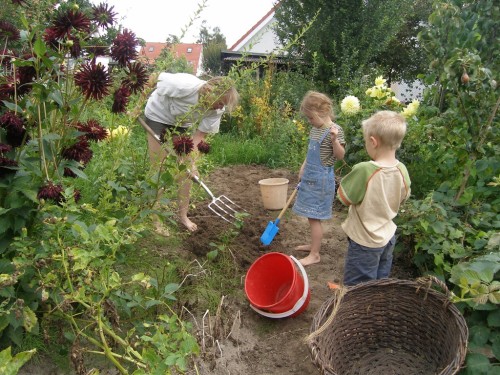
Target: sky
155 20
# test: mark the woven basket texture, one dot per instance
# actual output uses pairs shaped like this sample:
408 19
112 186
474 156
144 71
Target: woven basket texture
389 326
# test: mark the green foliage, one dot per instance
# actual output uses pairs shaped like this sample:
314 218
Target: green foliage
358 32
10 365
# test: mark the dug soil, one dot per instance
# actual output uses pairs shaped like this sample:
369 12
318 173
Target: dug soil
242 341
235 339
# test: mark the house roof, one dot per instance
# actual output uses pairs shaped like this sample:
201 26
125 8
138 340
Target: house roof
191 51
262 23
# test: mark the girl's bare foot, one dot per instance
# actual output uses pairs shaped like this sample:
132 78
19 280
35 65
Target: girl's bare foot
192 227
303 248
310 259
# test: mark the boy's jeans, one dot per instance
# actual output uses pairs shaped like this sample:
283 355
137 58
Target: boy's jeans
367 263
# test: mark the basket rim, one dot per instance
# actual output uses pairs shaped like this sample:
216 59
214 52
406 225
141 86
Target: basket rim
421 285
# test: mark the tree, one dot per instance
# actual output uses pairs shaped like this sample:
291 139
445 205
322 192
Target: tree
213 43
347 36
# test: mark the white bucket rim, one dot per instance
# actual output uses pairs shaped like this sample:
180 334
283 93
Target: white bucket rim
274 181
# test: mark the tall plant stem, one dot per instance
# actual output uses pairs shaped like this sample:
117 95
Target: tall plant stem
108 352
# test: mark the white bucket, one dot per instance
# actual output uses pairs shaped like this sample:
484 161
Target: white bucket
274 192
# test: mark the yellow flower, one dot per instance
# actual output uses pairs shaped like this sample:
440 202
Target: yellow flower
411 109
120 131
380 81
350 105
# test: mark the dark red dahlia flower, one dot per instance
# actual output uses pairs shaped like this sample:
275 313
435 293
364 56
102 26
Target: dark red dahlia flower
7 166
7 89
6 56
163 135
69 20
94 80
51 192
124 46
94 131
96 48
10 121
8 31
76 48
137 77
4 148
203 147
120 99
51 37
80 151
26 75
77 195
103 15
69 173
183 144
19 2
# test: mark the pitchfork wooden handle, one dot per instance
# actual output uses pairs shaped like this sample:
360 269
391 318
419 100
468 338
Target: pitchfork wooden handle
288 202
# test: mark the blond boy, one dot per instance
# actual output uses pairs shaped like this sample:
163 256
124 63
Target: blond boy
374 191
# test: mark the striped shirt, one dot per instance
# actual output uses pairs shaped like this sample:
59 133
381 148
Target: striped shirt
326 148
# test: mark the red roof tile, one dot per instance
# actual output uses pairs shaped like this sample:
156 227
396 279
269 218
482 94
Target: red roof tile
192 51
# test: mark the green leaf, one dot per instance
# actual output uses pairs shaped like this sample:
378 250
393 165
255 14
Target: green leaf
477 364
10 365
171 288
495 347
494 318
39 47
29 319
479 335
151 303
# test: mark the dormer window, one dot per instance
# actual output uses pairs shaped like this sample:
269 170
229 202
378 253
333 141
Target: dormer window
189 50
151 49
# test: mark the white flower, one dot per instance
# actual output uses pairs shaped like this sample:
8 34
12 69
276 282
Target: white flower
350 105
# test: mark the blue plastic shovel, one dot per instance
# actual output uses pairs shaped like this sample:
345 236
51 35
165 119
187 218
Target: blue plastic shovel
272 227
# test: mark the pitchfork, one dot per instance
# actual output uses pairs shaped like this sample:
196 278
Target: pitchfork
222 206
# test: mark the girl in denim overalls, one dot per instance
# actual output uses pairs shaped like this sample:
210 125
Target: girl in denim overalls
316 176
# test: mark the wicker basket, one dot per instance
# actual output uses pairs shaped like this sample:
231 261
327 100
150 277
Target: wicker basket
389 326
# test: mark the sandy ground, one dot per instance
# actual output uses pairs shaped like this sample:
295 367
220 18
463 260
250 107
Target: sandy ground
244 342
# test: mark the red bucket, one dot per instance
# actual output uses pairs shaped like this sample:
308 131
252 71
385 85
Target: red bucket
275 288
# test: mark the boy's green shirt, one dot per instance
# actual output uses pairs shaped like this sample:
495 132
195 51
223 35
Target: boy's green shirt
374 194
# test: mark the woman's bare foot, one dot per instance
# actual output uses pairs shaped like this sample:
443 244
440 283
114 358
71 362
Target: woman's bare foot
310 259
192 227
303 248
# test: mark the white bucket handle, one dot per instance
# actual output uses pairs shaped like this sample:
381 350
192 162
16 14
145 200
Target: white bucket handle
300 302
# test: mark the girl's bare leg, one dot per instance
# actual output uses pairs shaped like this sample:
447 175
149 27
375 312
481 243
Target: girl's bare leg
303 247
316 237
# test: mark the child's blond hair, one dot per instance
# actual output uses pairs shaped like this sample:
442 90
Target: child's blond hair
387 126
317 103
